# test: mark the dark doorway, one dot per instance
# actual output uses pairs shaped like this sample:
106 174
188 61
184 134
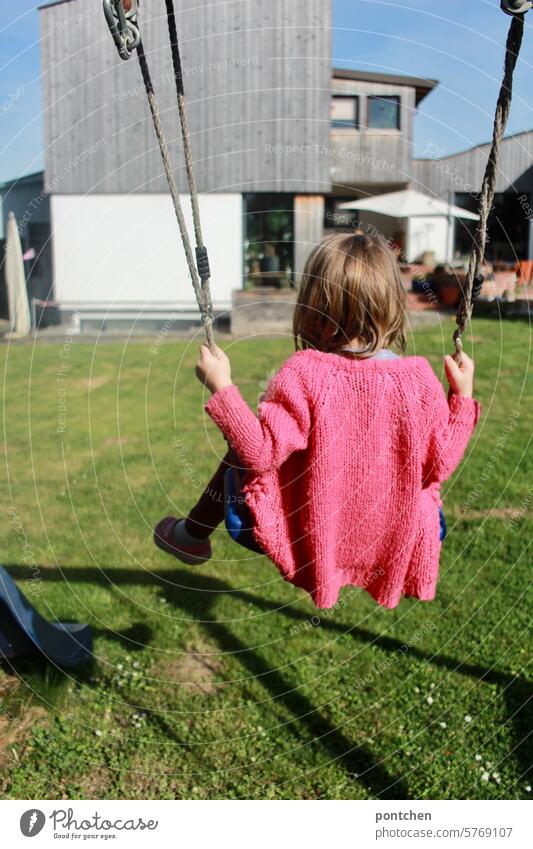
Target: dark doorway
508 233
268 239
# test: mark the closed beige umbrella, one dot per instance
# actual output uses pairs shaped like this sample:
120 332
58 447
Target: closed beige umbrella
17 296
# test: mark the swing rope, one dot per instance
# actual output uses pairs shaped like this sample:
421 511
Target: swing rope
201 291
180 93
202 259
125 31
474 279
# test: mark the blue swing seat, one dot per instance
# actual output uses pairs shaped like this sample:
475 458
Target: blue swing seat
443 530
238 518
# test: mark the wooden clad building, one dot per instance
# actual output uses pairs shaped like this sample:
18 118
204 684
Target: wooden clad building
280 139
257 76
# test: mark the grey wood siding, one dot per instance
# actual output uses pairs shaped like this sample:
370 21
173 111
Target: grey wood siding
371 156
258 84
464 172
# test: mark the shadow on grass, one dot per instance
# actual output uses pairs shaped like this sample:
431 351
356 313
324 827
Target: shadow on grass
196 593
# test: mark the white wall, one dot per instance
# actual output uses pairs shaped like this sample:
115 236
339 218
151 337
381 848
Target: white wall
120 251
428 233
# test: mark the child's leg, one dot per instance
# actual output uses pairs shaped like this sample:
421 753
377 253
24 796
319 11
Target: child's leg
188 539
208 513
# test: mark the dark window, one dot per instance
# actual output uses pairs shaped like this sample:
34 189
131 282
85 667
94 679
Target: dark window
384 113
342 220
268 239
4 310
39 269
345 111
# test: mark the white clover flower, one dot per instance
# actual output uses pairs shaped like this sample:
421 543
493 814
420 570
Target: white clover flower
485 776
429 700
97 732
442 724
528 788
468 718
478 757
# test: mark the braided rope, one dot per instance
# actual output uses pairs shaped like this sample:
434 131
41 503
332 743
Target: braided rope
201 292
474 278
201 252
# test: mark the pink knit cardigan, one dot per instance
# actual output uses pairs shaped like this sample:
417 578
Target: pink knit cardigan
346 458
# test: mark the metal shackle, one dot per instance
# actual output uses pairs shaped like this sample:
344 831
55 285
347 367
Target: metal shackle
515 7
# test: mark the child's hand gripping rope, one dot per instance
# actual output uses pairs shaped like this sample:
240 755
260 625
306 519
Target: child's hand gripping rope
213 369
460 376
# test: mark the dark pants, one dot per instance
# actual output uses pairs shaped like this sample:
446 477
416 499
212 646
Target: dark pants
208 513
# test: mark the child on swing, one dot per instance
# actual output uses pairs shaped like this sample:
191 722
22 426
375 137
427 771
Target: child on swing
345 458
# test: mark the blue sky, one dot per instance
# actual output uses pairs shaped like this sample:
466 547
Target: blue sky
458 42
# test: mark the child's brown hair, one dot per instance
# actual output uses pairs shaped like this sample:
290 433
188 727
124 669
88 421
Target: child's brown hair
350 289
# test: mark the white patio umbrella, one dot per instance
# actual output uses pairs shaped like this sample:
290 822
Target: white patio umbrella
17 296
409 204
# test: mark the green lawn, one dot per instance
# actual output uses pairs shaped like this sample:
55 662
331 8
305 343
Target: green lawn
224 681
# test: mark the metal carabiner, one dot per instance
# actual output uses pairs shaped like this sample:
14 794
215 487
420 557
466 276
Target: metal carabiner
123 26
515 7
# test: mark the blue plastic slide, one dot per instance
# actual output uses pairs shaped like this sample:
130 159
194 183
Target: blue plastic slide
24 632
